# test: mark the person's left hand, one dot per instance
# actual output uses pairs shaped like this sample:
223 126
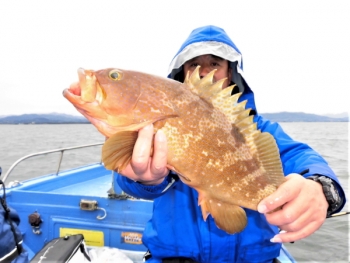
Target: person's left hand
304 208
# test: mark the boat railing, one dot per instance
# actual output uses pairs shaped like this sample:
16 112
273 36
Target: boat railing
61 150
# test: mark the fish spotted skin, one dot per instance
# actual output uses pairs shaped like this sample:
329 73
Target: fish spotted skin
213 144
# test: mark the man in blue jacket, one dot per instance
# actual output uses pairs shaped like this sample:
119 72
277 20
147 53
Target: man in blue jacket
177 232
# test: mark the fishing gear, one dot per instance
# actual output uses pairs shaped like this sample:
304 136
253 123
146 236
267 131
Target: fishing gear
339 214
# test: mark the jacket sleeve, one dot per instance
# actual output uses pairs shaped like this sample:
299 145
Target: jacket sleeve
298 157
150 192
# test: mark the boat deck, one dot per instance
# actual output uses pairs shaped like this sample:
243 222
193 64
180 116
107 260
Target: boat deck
93 187
92 181
59 201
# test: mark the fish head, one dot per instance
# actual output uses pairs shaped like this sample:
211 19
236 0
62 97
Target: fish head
116 100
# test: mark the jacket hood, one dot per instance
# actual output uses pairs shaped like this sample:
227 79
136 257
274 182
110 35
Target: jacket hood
213 40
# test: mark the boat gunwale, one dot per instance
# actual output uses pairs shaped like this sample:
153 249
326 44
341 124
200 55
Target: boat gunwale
61 150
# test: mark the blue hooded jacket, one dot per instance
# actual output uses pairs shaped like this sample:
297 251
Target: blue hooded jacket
177 228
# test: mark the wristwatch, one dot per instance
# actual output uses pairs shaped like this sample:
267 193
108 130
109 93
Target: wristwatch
330 191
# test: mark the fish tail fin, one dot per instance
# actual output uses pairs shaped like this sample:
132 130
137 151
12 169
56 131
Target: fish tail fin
228 217
117 150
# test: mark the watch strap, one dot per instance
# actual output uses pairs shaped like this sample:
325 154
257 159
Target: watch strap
330 191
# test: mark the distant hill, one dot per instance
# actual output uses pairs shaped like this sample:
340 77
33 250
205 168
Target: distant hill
50 118
338 115
58 118
301 117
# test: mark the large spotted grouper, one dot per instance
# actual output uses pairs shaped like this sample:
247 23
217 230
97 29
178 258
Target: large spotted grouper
213 144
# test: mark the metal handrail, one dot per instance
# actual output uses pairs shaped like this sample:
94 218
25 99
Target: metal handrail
62 150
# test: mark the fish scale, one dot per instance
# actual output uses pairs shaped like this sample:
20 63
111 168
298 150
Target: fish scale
213 144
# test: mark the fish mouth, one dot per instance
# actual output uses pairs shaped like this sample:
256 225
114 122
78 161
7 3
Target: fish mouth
87 90
90 110
87 96
88 85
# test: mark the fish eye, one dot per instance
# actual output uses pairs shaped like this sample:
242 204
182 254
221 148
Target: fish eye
115 75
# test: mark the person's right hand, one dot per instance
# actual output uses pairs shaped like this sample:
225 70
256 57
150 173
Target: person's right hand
143 168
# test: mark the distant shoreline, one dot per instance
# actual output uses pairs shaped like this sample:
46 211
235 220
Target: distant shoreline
57 118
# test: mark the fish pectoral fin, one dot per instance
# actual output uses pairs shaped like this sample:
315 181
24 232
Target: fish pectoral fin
117 150
230 218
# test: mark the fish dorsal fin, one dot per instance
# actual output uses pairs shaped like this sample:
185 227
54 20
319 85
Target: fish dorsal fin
250 129
117 150
192 79
203 87
269 157
214 93
220 98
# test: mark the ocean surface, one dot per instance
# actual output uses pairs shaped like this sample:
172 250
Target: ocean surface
329 244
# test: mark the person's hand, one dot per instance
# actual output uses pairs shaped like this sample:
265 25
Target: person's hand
304 208
143 168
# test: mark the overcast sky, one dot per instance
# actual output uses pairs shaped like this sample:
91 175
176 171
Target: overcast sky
296 54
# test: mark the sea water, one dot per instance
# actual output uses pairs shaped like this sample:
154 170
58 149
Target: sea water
329 244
